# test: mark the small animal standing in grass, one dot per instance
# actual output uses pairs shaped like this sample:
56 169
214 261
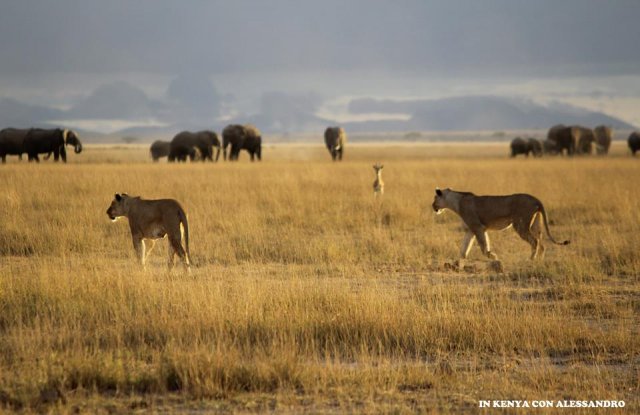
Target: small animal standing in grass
378 184
482 213
153 219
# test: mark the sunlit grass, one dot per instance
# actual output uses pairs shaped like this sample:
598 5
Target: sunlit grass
307 294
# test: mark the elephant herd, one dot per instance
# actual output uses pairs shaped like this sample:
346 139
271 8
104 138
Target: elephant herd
570 140
201 145
35 141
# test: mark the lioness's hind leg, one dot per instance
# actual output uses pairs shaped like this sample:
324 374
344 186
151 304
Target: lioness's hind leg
536 232
171 252
179 250
531 235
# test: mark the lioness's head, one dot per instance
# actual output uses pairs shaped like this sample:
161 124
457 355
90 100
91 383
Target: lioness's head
440 201
119 207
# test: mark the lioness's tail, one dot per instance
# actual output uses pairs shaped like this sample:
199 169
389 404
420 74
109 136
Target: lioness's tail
546 226
185 224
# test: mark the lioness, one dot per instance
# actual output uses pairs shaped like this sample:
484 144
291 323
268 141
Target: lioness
482 213
150 220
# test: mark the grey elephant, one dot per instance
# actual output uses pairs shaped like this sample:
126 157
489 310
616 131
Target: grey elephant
535 146
335 139
41 141
585 139
159 149
188 144
565 138
12 142
242 137
549 147
634 142
526 146
603 136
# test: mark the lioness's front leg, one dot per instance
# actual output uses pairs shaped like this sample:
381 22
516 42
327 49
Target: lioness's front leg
485 245
148 245
138 246
467 243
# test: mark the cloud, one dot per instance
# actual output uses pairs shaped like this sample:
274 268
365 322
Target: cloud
196 94
280 111
492 37
115 101
14 113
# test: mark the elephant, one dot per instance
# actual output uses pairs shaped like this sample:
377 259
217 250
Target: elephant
536 146
12 142
40 141
634 142
335 138
565 138
585 139
188 144
530 145
549 147
159 149
242 137
604 136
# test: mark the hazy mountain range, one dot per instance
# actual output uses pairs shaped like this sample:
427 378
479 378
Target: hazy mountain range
193 103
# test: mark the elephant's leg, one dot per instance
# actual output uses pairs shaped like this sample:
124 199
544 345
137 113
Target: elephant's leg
467 243
252 155
4 158
138 246
340 154
56 155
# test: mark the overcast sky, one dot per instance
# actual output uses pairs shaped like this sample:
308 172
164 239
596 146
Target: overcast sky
58 52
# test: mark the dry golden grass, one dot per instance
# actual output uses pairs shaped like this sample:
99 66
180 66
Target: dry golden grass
307 296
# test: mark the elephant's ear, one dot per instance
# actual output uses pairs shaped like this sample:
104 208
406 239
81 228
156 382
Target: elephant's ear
438 191
118 197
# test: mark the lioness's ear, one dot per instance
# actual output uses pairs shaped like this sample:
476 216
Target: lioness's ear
438 192
118 197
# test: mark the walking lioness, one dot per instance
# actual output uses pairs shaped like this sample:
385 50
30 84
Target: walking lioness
482 213
153 219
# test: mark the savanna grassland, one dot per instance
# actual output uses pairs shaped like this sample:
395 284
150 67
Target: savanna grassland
306 294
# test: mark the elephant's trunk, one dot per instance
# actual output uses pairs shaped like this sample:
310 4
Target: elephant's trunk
78 148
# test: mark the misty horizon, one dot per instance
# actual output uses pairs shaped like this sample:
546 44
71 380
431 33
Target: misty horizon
294 66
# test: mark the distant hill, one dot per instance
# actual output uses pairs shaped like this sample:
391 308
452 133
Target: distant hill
474 113
286 115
